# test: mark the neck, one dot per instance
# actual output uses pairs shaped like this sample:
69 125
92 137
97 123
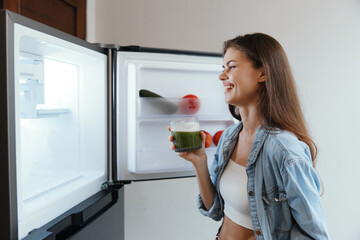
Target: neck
251 119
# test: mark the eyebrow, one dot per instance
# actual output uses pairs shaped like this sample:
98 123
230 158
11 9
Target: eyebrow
227 64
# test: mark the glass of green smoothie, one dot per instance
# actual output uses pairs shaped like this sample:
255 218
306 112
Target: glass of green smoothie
186 134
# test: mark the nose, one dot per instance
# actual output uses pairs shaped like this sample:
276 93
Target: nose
223 76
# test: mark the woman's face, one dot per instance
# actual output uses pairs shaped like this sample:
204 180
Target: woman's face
240 79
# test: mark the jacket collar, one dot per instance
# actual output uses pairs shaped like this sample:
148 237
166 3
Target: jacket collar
259 140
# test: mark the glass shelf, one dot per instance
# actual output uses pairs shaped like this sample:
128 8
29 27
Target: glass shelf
153 108
47 111
165 107
168 162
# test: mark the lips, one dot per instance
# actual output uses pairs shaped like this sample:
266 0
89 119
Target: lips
228 87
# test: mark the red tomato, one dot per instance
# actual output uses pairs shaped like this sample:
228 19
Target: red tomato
190 104
208 139
217 136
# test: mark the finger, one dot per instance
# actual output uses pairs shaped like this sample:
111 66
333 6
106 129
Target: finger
203 137
172 147
171 138
182 154
169 128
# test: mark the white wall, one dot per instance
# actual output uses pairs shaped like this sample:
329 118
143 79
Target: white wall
322 40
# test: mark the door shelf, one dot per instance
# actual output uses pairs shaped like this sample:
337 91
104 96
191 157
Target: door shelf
180 107
47 111
153 135
149 161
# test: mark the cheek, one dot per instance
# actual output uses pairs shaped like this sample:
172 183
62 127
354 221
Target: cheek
248 87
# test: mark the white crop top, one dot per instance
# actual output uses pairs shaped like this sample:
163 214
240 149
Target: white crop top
233 189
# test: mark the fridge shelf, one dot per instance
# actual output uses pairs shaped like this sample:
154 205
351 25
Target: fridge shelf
158 127
47 111
210 118
168 162
182 107
151 147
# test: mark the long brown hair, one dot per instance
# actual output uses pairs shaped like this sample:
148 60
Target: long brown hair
278 100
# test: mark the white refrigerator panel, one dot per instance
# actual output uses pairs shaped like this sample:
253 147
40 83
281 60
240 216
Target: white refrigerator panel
143 149
61 125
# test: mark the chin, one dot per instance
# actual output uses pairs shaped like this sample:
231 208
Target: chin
229 101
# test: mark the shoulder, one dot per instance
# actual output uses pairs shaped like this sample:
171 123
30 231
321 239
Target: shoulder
287 147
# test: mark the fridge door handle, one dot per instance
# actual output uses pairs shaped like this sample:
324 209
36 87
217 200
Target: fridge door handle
111 84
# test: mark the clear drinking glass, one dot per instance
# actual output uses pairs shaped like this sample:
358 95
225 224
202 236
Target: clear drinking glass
186 134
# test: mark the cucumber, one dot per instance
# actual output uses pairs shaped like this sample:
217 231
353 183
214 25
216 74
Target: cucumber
159 102
147 93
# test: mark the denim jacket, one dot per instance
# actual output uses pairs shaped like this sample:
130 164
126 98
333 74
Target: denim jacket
283 187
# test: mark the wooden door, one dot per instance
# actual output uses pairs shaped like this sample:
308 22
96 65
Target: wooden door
66 15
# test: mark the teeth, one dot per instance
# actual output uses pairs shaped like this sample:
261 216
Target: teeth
229 87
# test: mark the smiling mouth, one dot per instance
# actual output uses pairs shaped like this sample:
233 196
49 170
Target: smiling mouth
228 88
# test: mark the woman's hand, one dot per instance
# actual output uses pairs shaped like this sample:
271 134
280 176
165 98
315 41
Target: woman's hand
199 160
197 157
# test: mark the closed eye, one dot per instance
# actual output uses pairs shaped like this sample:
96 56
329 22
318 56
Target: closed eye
229 67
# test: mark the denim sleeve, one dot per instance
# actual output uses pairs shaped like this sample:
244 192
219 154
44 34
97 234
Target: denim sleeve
302 187
215 211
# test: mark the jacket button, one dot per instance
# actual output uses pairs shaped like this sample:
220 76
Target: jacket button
251 193
258 232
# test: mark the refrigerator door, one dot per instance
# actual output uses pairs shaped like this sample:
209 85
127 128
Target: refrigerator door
54 97
143 148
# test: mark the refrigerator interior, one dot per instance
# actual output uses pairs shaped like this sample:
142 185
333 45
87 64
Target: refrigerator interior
61 125
143 146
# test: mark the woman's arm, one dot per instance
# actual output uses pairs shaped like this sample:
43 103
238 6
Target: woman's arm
199 160
206 188
302 186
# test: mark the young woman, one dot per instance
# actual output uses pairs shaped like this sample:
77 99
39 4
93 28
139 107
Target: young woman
262 182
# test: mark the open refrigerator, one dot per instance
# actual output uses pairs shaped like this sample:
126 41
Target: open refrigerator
75 130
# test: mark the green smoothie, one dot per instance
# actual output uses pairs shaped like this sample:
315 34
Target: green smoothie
186 141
